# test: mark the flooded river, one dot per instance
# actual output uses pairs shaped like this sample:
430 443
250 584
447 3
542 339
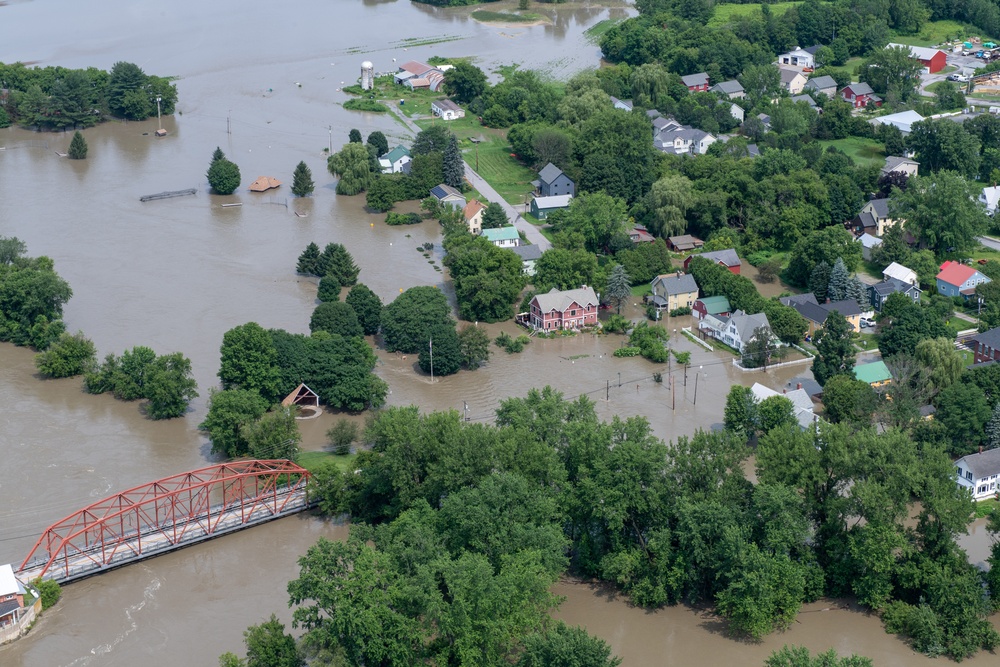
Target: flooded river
176 274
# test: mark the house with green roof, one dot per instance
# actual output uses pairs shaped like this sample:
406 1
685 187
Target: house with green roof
395 160
711 305
876 374
503 237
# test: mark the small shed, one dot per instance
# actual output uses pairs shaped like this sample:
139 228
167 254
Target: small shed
264 183
302 396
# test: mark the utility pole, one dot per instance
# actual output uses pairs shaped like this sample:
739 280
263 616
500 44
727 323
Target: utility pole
330 129
696 385
673 394
607 391
430 345
229 124
466 404
619 379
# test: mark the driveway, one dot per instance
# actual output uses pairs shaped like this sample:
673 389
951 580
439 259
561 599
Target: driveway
989 242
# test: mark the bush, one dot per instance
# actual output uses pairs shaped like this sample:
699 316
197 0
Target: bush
403 219
366 105
224 176
627 352
329 289
678 312
49 591
510 344
341 435
70 355
617 324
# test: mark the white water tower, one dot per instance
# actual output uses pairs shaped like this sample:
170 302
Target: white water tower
367 75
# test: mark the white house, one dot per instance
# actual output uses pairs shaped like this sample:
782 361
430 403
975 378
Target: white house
900 272
447 110
990 198
979 473
797 58
895 164
683 139
802 405
736 330
503 237
621 105
395 160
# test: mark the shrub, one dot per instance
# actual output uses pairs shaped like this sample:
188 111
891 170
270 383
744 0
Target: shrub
71 354
366 105
403 219
341 435
617 324
627 352
677 312
329 289
510 344
49 591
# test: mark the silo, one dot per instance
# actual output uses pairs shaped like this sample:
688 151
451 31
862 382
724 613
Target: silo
367 75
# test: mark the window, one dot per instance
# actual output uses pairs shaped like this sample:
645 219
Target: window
572 313
981 489
968 475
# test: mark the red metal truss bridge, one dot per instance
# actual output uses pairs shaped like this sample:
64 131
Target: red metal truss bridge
165 515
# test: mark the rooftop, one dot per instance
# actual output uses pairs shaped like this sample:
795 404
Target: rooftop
527 253
715 304
982 465
677 284
560 300
821 83
727 257
876 371
955 273
990 338
555 201
728 87
549 173
502 234
699 79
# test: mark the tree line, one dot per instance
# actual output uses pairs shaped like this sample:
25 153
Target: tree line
57 98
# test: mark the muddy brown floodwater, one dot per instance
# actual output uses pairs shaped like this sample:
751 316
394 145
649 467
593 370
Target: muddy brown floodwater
176 274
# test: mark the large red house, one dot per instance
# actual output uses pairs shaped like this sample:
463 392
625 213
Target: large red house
986 346
565 309
934 60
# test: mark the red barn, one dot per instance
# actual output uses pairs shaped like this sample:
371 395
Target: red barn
932 59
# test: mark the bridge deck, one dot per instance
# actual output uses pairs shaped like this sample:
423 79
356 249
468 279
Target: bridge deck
154 540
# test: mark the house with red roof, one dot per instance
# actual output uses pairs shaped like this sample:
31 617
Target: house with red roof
957 279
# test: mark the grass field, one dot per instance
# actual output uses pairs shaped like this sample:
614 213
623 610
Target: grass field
937 32
313 460
726 13
596 31
863 151
485 16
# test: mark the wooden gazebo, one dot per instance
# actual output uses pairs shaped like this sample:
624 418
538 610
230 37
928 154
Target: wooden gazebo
302 396
264 183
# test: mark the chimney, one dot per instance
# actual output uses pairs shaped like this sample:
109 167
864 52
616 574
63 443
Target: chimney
798 385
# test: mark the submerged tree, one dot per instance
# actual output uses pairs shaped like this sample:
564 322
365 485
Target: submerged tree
302 181
78 147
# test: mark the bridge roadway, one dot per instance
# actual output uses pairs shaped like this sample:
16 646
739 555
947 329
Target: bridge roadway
155 540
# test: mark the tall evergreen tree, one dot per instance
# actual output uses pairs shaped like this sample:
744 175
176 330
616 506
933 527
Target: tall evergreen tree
217 154
856 290
835 349
494 216
819 279
454 166
302 181
336 261
619 287
993 429
836 289
78 147
309 260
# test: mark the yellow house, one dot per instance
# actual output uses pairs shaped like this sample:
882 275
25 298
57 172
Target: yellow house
674 290
815 313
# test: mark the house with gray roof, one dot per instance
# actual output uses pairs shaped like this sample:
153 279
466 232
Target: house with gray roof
529 254
683 139
873 218
824 85
802 405
868 244
542 206
553 182
881 291
731 89
674 290
979 473
727 258
696 83
808 100
901 165
623 105
563 309
815 313
735 330
792 80
986 346
448 195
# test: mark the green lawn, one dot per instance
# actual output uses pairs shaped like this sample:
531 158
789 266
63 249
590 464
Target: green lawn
726 13
983 507
313 460
596 31
861 150
938 32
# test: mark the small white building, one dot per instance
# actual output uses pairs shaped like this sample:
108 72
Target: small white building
797 58
904 120
990 198
503 237
868 244
901 273
447 110
979 473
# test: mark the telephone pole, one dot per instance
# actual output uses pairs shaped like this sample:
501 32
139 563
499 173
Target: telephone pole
430 345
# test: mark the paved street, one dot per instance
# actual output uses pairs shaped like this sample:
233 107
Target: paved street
989 242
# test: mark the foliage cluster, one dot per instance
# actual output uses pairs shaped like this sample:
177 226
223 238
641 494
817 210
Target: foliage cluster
165 381
32 296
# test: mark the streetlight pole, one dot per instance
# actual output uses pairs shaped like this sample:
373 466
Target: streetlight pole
696 385
330 129
430 345
619 379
